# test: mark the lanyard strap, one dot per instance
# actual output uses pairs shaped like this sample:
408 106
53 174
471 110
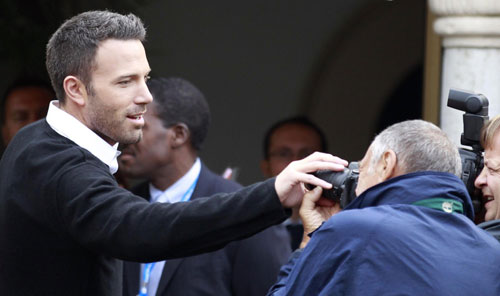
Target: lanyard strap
146 275
442 204
189 192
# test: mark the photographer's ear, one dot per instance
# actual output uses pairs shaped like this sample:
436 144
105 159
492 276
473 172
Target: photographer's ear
387 166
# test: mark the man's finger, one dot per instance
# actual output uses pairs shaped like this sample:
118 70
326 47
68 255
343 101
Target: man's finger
320 156
312 180
319 165
315 194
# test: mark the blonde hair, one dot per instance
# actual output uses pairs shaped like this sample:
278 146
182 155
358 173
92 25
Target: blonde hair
489 130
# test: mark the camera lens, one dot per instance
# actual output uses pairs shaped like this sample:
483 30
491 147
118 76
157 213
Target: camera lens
343 184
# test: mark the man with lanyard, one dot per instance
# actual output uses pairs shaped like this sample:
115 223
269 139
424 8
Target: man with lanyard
167 157
65 224
410 230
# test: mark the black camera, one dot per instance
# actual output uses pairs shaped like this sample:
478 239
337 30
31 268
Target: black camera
343 183
476 115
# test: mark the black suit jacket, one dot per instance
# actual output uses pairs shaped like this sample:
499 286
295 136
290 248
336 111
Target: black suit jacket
245 267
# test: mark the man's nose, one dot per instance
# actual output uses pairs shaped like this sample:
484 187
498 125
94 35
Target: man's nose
144 96
481 179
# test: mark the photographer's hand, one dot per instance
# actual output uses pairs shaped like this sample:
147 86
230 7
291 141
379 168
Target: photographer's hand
314 211
289 185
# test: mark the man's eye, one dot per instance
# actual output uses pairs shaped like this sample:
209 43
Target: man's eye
124 82
282 154
492 170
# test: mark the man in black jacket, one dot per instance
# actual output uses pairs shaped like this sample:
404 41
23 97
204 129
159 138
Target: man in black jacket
176 126
64 221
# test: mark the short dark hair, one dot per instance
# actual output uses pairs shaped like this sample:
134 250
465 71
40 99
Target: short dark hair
300 120
18 83
72 48
179 101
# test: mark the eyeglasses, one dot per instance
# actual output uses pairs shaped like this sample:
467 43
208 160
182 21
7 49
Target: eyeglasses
289 155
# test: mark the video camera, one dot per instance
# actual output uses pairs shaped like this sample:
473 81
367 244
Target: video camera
476 114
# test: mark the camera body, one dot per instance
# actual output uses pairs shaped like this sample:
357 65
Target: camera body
344 184
476 114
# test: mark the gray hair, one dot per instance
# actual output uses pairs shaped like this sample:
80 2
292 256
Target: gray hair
72 48
419 146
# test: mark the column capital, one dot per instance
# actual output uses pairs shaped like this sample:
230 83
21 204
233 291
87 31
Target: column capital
464 7
467 23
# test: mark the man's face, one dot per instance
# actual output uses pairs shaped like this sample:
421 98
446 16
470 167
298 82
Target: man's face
142 159
288 143
368 175
119 95
489 180
22 107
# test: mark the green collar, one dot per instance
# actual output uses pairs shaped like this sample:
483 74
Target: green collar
442 204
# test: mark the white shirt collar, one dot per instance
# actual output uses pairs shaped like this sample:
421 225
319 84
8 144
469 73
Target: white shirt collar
69 127
182 189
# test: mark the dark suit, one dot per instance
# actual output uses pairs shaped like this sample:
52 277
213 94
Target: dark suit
246 267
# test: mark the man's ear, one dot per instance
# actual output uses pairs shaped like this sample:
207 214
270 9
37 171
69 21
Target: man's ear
75 90
387 166
181 135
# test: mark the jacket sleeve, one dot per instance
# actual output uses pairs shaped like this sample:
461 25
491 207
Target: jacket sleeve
103 217
279 287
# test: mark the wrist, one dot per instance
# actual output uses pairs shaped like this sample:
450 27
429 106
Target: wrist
305 240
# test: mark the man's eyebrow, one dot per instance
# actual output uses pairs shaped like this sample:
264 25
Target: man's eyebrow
491 163
132 75
125 76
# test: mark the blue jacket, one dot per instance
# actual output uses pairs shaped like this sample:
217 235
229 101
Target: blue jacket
492 227
381 244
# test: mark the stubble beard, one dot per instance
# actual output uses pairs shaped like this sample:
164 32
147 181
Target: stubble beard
112 125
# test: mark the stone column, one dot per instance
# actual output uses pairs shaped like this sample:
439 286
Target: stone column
470 31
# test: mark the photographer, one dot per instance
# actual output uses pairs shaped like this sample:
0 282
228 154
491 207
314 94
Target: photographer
489 179
409 231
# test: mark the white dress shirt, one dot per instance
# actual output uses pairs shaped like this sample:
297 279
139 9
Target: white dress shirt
71 128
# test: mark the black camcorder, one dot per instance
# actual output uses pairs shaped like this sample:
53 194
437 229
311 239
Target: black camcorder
476 114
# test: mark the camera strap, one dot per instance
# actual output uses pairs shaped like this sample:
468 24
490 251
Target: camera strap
446 205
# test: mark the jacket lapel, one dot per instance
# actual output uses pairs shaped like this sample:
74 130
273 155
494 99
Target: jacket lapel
172 265
132 279
167 274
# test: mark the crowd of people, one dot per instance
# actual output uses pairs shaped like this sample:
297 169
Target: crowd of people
67 227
